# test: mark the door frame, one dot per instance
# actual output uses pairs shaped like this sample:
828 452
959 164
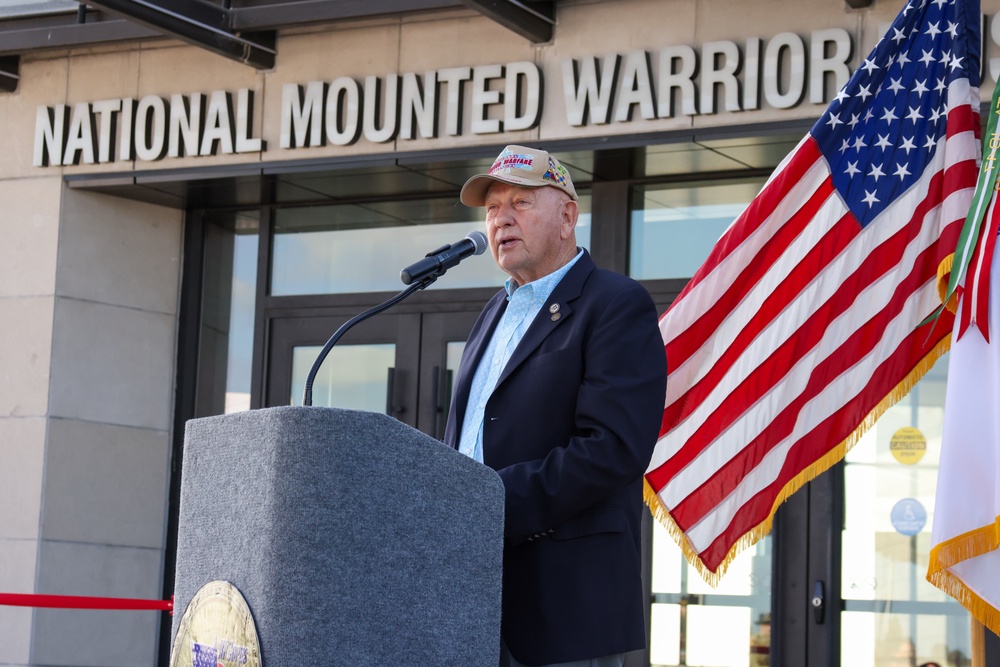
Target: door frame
417 326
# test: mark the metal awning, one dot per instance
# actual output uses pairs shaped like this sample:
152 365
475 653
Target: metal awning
242 30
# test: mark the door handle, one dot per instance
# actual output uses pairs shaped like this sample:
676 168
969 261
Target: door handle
391 408
819 601
441 391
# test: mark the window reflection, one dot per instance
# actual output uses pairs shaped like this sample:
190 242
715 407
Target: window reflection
10 8
229 291
674 227
362 248
893 616
352 377
687 613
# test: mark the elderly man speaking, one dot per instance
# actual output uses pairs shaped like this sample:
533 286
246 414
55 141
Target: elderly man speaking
560 390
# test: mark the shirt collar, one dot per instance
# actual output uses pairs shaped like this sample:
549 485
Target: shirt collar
545 284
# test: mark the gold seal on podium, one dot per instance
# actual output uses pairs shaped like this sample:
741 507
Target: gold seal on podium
216 630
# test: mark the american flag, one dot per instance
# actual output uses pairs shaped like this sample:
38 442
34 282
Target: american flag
805 322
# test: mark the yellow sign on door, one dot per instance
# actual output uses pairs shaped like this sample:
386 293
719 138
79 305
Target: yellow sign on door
908 445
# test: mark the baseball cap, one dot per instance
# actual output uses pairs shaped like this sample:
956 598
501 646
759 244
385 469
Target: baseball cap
523 166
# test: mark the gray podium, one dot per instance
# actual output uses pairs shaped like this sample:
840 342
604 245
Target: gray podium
355 539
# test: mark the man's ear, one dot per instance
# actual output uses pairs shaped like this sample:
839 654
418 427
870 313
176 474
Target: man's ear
569 212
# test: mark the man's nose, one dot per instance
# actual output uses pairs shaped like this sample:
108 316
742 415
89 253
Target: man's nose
504 216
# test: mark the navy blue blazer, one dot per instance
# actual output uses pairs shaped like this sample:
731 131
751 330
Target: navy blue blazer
570 429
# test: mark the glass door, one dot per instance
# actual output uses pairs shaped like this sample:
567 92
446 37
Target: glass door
373 367
891 615
851 591
399 364
687 613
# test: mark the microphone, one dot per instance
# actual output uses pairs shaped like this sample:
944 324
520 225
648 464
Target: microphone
436 262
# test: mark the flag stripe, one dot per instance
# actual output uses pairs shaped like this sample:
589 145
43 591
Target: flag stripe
710 320
809 447
739 245
846 357
736 394
760 507
975 305
832 243
964 557
808 318
793 320
837 352
810 420
783 241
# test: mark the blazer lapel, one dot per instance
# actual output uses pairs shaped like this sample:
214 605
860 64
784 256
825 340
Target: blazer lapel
567 291
474 349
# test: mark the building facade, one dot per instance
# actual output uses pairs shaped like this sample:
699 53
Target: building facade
182 230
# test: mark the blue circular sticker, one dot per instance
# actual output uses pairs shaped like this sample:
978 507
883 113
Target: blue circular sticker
908 516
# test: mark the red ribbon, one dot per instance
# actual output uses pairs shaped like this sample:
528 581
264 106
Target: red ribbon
976 301
82 602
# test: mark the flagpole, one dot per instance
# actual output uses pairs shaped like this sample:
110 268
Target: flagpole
978 639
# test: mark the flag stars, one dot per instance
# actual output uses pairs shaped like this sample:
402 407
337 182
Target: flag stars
889 115
893 113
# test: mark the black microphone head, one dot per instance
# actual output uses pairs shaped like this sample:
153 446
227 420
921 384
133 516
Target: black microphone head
478 241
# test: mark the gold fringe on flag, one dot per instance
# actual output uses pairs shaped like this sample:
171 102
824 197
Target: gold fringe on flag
960 548
944 271
821 465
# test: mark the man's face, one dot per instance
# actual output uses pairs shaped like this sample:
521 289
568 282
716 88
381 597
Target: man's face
530 230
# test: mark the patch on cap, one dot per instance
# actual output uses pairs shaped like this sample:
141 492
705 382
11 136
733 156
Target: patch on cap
556 172
508 160
522 166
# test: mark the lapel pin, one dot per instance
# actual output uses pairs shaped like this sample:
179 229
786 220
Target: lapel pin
554 308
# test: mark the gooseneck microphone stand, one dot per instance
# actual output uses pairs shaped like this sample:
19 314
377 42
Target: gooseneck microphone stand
417 276
385 305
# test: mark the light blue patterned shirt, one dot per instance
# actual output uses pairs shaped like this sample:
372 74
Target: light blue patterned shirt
525 302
